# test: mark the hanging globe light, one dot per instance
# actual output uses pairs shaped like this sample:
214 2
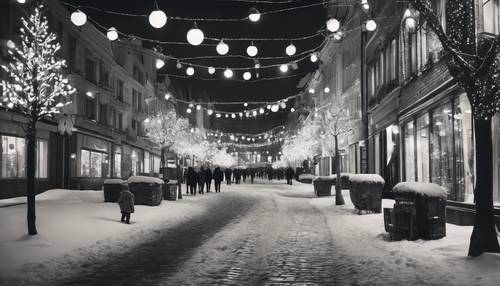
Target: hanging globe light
112 34
78 18
159 63
178 65
228 73
314 58
268 106
188 110
195 36
261 110
292 109
252 50
247 76
333 25
282 105
311 90
167 96
190 71
233 115
211 70
291 50
210 111
371 25
257 66
227 115
21 1
218 115
254 114
327 89
222 48
275 108
245 104
254 14
198 107
284 68
157 18
365 5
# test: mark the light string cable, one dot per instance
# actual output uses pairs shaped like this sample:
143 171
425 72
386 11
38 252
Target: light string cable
328 3
263 133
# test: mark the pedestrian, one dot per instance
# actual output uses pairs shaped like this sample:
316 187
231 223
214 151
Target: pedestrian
208 179
244 174
227 174
252 175
218 177
289 172
191 180
126 203
201 180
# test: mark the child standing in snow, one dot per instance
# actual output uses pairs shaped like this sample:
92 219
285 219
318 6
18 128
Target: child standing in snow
126 202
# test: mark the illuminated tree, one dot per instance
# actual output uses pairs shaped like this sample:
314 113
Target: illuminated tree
36 88
475 64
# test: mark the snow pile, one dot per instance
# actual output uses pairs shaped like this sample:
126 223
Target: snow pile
323 179
424 189
366 179
144 180
114 181
306 177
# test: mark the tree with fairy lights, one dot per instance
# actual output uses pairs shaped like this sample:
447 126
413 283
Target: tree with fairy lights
164 129
36 88
474 62
334 122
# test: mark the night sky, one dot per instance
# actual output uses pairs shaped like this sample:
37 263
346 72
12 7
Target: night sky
289 24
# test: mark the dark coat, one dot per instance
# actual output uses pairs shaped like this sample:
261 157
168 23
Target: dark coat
201 176
218 176
227 173
191 177
208 175
126 201
289 173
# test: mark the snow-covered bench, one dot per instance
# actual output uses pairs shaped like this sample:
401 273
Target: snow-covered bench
112 189
306 178
419 212
366 192
146 190
323 186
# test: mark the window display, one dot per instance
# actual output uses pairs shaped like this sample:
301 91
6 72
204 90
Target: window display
442 147
409 149
117 166
94 164
464 150
423 148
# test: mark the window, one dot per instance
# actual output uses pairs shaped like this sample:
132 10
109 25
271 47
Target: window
117 162
120 121
103 114
90 70
13 160
442 147
136 162
156 164
119 90
138 74
103 75
139 101
94 164
135 98
376 147
90 107
409 152
147 162
422 148
464 149
71 54
491 14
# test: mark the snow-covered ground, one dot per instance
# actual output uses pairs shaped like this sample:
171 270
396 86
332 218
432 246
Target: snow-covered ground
282 234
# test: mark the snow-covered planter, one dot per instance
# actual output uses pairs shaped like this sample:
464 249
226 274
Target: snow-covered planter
170 190
344 180
146 190
112 189
366 192
323 186
306 178
428 201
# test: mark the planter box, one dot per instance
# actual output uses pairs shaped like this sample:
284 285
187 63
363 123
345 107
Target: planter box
170 190
366 192
323 186
112 189
306 178
344 180
147 190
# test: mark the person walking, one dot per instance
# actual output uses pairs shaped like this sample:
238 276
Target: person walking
244 174
218 177
252 175
201 180
191 180
289 175
126 203
208 179
227 174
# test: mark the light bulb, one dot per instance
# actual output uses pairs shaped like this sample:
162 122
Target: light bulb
292 109
218 115
254 14
252 50
167 96
333 25
21 1
78 18
245 104
228 73
210 111
157 19
247 76
112 34
257 66
371 25
311 90
291 50
159 63
275 108
327 89
188 110
222 48
178 65
283 105
227 115
190 71
233 115
314 58
261 111
195 36
211 70
284 68
254 114
198 107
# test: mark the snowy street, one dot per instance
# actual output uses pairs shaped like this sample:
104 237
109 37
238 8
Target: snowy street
261 234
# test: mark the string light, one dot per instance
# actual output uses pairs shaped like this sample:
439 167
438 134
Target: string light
211 70
275 108
333 25
247 76
159 63
311 90
198 107
195 36
112 34
190 71
254 14
327 89
78 18
291 50
21 1
245 104
188 110
167 96
314 58
365 5
157 18
178 65
222 48
252 50
228 73
284 68
210 111
371 25
292 109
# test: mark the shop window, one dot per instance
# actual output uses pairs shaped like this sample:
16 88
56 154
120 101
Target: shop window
377 153
491 16
103 114
136 163
41 158
90 107
13 160
156 164
94 164
117 162
147 162
422 147
442 148
90 70
119 90
464 149
409 152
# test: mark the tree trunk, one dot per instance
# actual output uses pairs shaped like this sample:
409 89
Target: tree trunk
163 165
484 236
30 177
339 199
179 177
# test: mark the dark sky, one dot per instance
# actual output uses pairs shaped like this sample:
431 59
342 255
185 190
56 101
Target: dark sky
290 24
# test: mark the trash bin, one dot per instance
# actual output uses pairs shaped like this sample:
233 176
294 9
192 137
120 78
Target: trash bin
146 190
112 189
170 190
